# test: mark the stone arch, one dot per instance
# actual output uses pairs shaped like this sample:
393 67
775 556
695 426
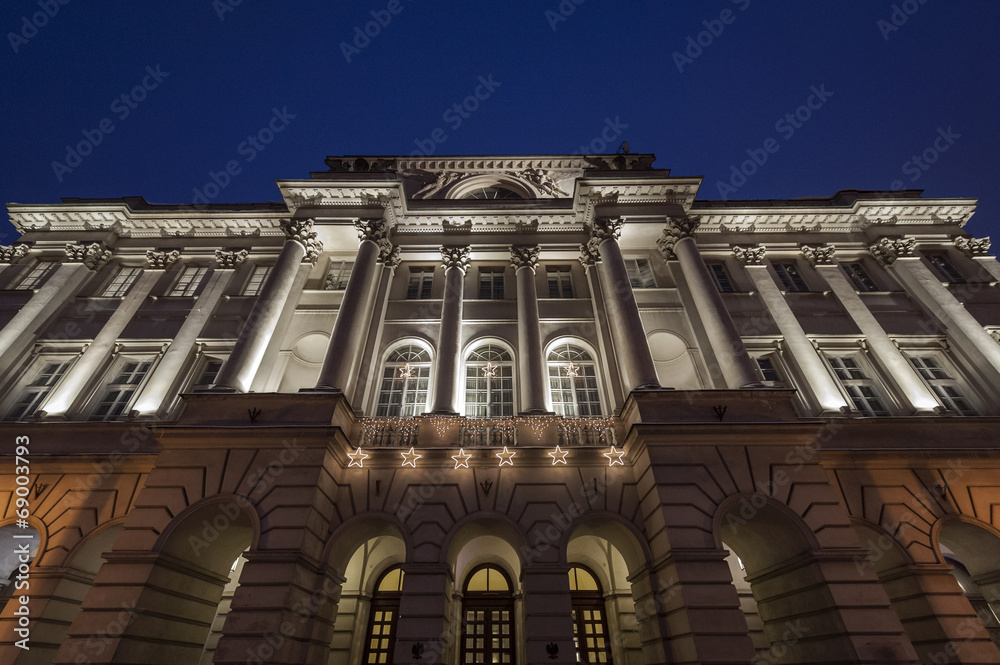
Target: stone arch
972 549
672 359
355 532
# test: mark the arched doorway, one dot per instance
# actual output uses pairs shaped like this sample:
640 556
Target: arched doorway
590 622
487 617
973 551
380 638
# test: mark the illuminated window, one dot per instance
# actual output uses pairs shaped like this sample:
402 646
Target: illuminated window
487 617
122 282
590 626
257 279
945 269
381 637
859 387
338 275
189 281
491 283
790 277
721 278
560 281
401 395
859 277
34 279
640 274
489 396
573 382
121 390
421 281
942 383
35 392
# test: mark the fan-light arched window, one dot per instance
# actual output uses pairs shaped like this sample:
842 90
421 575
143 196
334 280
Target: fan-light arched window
381 636
590 625
487 617
489 383
405 378
573 382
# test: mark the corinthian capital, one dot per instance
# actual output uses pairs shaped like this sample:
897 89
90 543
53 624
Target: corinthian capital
453 256
589 256
163 259
676 229
887 250
372 229
524 256
231 260
301 230
95 255
389 256
973 246
12 253
606 228
818 254
750 256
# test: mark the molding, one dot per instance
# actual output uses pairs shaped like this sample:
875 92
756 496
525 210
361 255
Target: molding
887 250
973 246
750 256
819 254
524 256
455 256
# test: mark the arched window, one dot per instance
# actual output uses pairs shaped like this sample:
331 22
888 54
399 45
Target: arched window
573 382
405 378
487 617
590 626
381 636
489 383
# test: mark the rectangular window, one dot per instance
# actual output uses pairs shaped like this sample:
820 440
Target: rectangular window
421 281
257 280
491 283
858 386
944 268
640 274
560 281
767 370
210 373
859 277
36 277
721 277
121 390
189 281
790 277
338 275
35 392
122 282
943 384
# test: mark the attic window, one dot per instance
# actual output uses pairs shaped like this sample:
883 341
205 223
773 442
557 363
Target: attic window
492 193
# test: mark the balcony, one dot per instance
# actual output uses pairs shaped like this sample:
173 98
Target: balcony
428 431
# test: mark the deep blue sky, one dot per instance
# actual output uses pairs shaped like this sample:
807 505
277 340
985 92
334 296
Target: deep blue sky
894 92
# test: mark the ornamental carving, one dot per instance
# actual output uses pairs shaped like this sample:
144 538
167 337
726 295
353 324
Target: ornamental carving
301 230
750 256
887 250
455 257
12 253
606 228
676 229
95 255
589 256
974 246
389 256
162 259
524 256
542 180
372 229
231 260
818 254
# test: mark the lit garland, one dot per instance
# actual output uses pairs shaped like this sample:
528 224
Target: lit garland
572 370
506 457
558 456
614 456
398 431
357 458
410 458
442 424
406 371
461 459
401 431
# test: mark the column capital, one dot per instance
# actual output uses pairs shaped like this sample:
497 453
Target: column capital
973 246
818 254
677 228
13 253
372 229
750 256
589 256
606 228
95 255
389 255
231 260
887 250
301 231
162 260
455 256
524 256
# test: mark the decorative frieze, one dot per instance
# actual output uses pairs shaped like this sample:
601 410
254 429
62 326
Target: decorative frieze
13 253
455 257
231 260
818 254
676 229
163 259
887 250
750 256
95 255
973 246
524 256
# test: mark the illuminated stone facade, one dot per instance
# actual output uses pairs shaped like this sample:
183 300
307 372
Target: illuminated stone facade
543 409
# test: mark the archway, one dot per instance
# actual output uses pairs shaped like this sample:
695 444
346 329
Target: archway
973 552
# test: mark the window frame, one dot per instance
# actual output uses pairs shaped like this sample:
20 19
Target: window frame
563 278
853 387
110 384
420 283
114 289
582 601
343 270
590 363
859 277
188 287
36 277
507 369
39 392
944 268
381 601
790 277
940 385
424 372
486 602
497 279
636 277
251 287
716 267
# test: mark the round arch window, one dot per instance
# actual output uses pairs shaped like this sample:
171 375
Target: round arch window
487 617
493 193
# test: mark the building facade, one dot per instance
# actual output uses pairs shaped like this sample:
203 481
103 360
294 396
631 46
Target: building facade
541 409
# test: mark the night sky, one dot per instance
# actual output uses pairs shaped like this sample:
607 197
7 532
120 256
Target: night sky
151 99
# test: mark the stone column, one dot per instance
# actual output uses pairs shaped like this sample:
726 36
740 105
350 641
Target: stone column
347 337
159 391
814 370
978 249
738 369
455 261
90 364
620 301
530 363
911 386
69 278
301 243
962 329
589 258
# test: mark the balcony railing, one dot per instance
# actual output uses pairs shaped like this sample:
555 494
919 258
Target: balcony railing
487 432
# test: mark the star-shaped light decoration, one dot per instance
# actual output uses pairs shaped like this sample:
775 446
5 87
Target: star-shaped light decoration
410 458
461 459
490 370
615 456
406 371
572 370
357 458
558 456
505 456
